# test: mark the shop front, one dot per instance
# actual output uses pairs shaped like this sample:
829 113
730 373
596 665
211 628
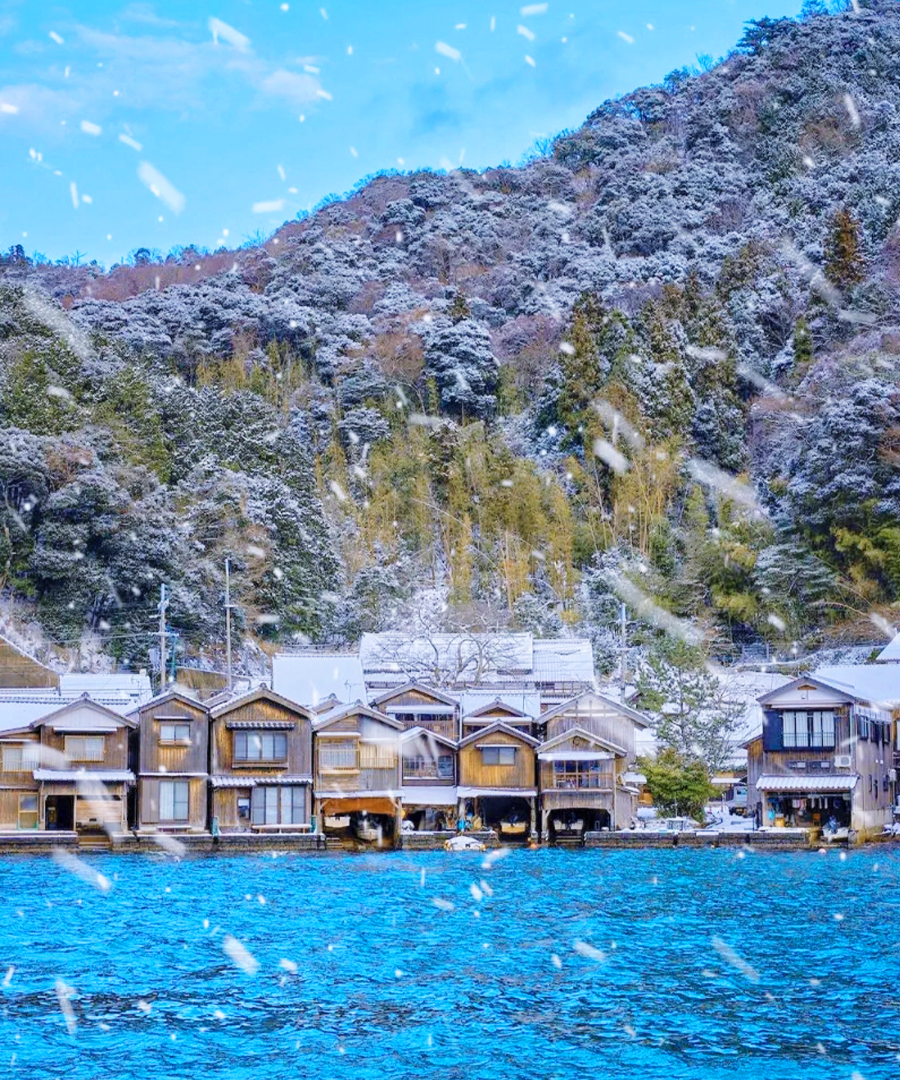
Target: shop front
794 802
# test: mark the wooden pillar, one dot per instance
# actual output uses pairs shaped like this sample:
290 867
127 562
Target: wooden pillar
533 802
398 823
545 824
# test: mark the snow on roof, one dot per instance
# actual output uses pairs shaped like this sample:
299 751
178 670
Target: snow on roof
475 658
875 683
526 701
309 678
565 660
463 656
20 708
136 687
891 652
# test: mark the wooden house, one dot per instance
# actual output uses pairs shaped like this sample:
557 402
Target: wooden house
357 781
19 791
173 740
497 712
585 780
417 705
84 770
822 760
260 764
428 772
497 781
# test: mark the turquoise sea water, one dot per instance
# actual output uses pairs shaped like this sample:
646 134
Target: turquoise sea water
389 985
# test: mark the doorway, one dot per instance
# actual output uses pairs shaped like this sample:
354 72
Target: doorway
59 812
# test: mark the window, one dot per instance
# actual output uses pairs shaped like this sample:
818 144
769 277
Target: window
801 730
260 746
28 811
378 755
243 805
579 774
498 755
180 733
271 805
337 755
173 800
12 759
85 747
418 767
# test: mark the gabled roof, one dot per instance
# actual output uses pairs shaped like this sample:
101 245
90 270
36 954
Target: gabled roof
356 709
169 695
495 706
261 693
637 718
846 693
80 703
419 732
874 683
482 732
419 687
891 652
579 732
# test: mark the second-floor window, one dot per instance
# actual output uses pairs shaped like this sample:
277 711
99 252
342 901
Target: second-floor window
338 754
260 746
85 747
419 767
175 733
808 729
579 774
498 755
11 759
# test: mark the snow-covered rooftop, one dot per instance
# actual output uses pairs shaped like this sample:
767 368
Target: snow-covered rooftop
136 687
19 708
475 659
526 701
891 652
309 678
875 683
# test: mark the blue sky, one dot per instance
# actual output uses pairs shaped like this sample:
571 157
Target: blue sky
125 125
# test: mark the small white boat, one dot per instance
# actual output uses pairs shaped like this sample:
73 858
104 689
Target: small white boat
367 830
340 821
513 828
463 843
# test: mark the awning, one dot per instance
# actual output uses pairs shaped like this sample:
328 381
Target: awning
634 778
808 785
513 793
257 781
336 807
429 796
727 781
93 729
260 725
112 776
576 755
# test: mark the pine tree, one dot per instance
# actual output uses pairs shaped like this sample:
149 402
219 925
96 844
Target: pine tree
844 265
803 343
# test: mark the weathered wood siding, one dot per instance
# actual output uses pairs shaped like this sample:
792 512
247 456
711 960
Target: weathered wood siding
299 740
148 801
474 773
116 748
378 757
599 718
159 757
429 750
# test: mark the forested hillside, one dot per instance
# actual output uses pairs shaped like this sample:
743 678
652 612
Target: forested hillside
664 353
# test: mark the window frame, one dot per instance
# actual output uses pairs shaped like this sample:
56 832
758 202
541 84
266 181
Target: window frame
36 811
83 755
348 748
180 794
808 729
277 804
175 739
246 740
12 748
488 752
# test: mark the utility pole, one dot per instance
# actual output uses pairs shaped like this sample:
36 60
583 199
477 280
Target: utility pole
623 643
163 604
228 620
